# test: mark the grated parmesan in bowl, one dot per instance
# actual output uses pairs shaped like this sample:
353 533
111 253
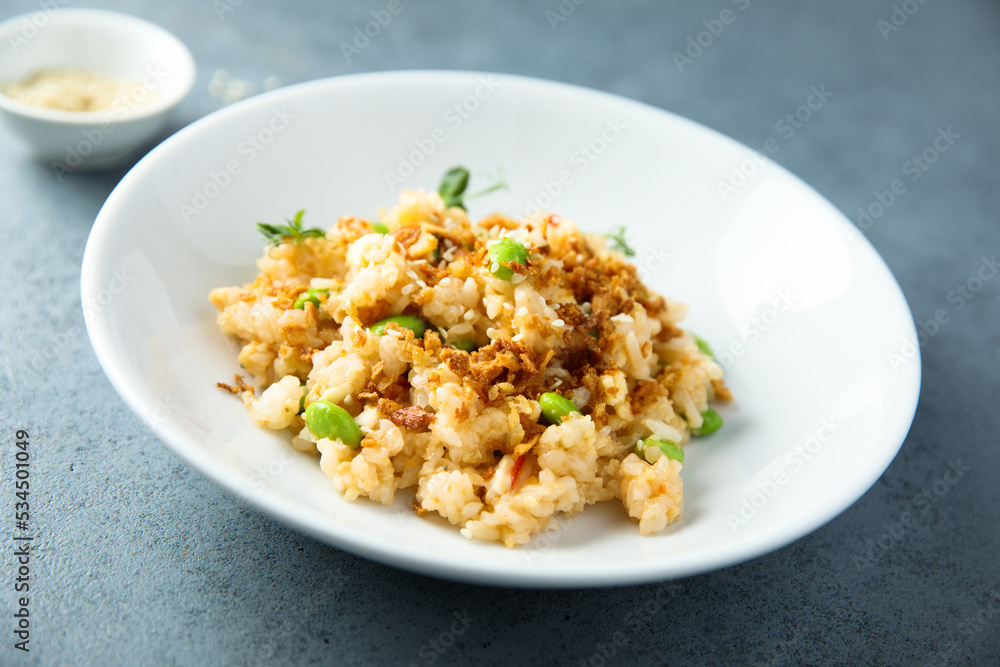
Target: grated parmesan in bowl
76 90
92 88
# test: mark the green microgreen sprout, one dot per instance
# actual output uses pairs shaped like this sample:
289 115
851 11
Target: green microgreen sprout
455 182
617 238
292 232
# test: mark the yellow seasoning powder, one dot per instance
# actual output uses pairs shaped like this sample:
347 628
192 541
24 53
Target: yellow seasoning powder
73 90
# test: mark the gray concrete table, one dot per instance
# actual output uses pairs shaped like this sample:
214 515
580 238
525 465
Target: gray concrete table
140 560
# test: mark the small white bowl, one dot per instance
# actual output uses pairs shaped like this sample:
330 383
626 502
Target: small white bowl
108 43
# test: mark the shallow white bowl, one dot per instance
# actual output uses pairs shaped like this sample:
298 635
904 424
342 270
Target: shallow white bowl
798 305
109 43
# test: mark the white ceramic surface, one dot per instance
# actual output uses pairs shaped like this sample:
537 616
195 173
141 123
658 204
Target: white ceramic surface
799 307
109 43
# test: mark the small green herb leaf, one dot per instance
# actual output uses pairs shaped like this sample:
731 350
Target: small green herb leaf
455 182
617 238
453 186
278 234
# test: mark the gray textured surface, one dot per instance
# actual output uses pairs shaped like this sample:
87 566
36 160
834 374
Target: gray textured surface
142 561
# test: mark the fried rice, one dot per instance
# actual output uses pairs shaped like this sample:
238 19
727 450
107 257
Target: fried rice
463 427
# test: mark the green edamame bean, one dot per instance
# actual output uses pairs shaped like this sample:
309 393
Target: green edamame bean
327 420
555 407
464 345
502 254
711 421
703 346
411 322
651 450
311 295
380 227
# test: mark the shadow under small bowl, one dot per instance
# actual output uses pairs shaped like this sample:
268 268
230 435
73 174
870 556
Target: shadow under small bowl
108 43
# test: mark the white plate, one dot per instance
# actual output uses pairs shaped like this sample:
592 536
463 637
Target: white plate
777 279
